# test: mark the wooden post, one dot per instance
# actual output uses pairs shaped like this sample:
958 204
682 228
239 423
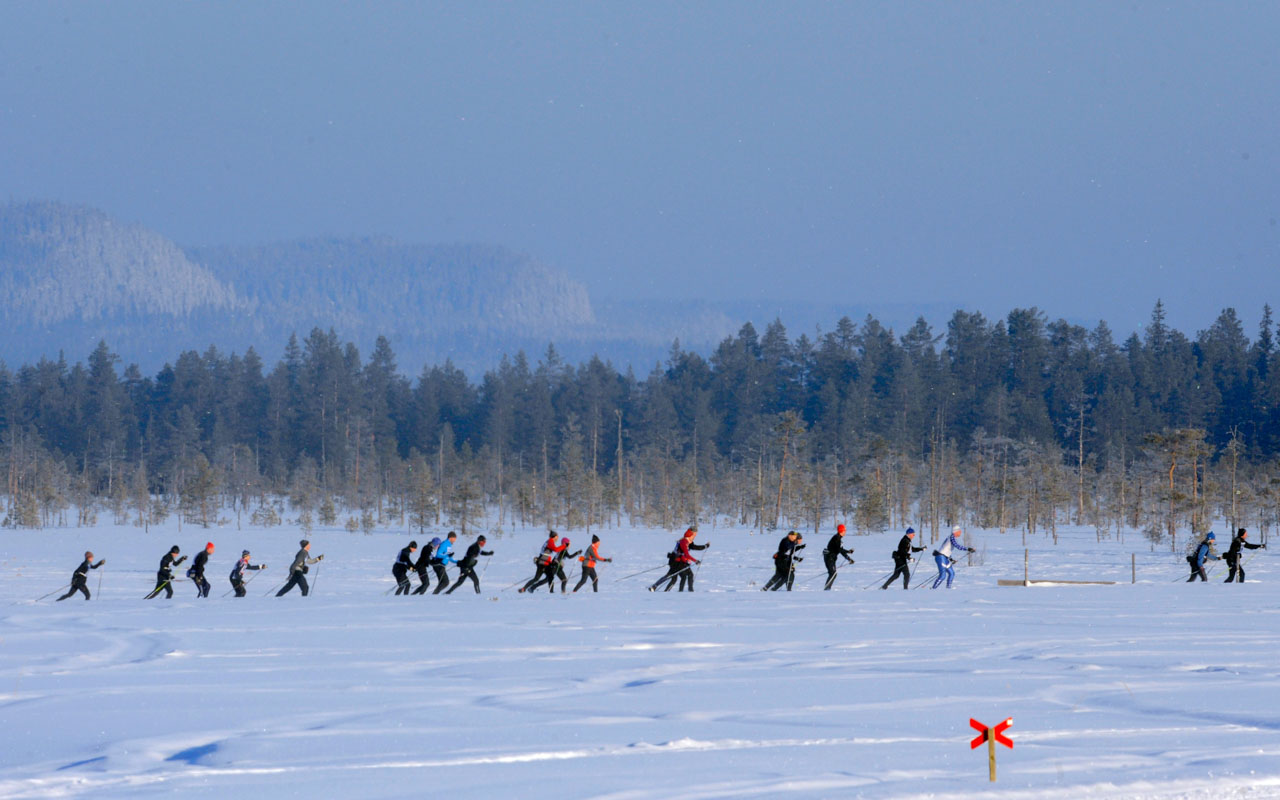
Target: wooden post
1133 564
991 755
1026 575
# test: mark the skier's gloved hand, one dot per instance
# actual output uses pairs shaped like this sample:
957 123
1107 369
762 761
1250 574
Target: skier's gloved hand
706 546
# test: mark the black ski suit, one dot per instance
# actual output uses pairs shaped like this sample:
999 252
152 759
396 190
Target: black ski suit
835 548
783 560
80 579
164 576
467 566
400 569
237 575
297 573
196 573
902 562
1232 558
422 567
674 565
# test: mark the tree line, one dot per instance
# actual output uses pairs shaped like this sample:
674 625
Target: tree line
1018 423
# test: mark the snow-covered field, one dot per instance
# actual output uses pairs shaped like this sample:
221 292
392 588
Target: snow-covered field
1154 690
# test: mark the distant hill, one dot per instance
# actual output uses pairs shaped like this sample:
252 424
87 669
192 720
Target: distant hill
70 276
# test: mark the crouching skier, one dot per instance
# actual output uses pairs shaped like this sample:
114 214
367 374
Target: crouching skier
1232 556
237 573
467 565
80 578
400 569
299 569
589 559
196 571
782 562
835 548
443 558
543 562
902 559
164 576
942 557
1204 552
423 565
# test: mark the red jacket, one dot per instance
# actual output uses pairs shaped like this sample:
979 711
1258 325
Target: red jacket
549 551
685 556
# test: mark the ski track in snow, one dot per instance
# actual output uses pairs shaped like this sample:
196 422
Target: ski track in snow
1159 690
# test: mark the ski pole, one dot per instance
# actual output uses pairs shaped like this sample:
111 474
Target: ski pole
634 574
99 584
276 587
316 582
248 581
880 580
41 597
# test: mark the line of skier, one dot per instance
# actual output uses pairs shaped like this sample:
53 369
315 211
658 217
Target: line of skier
549 564
1206 551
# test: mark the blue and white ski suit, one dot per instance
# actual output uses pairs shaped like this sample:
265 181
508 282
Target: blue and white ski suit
942 557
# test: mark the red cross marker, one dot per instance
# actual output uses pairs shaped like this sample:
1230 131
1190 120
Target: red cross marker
991 736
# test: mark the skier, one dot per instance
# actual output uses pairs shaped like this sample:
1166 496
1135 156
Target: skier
442 558
423 564
1204 552
686 560
680 562
835 549
196 571
791 575
400 569
1232 556
542 563
589 560
80 578
782 562
556 569
467 565
942 557
164 576
237 573
299 568
902 559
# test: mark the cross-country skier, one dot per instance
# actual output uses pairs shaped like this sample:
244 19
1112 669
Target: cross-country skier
400 569
196 571
902 559
782 562
423 565
835 549
237 573
164 576
467 565
791 576
442 559
942 557
299 569
686 559
1232 556
80 578
556 569
589 559
1204 552
544 560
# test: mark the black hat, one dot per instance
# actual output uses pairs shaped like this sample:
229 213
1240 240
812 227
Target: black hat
594 538
244 553
173 549
303 543
481 538
413 545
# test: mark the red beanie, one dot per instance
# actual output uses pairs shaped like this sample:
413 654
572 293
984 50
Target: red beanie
208 546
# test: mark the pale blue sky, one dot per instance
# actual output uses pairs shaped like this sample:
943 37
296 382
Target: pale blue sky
1084 158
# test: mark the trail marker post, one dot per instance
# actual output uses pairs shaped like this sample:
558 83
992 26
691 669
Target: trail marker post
991 736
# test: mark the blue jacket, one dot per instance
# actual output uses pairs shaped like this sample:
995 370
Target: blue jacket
1205 553
444 553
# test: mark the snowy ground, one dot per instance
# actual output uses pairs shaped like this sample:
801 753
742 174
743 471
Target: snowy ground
1154 690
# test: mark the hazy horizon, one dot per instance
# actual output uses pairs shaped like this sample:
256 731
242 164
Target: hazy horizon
1085 159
